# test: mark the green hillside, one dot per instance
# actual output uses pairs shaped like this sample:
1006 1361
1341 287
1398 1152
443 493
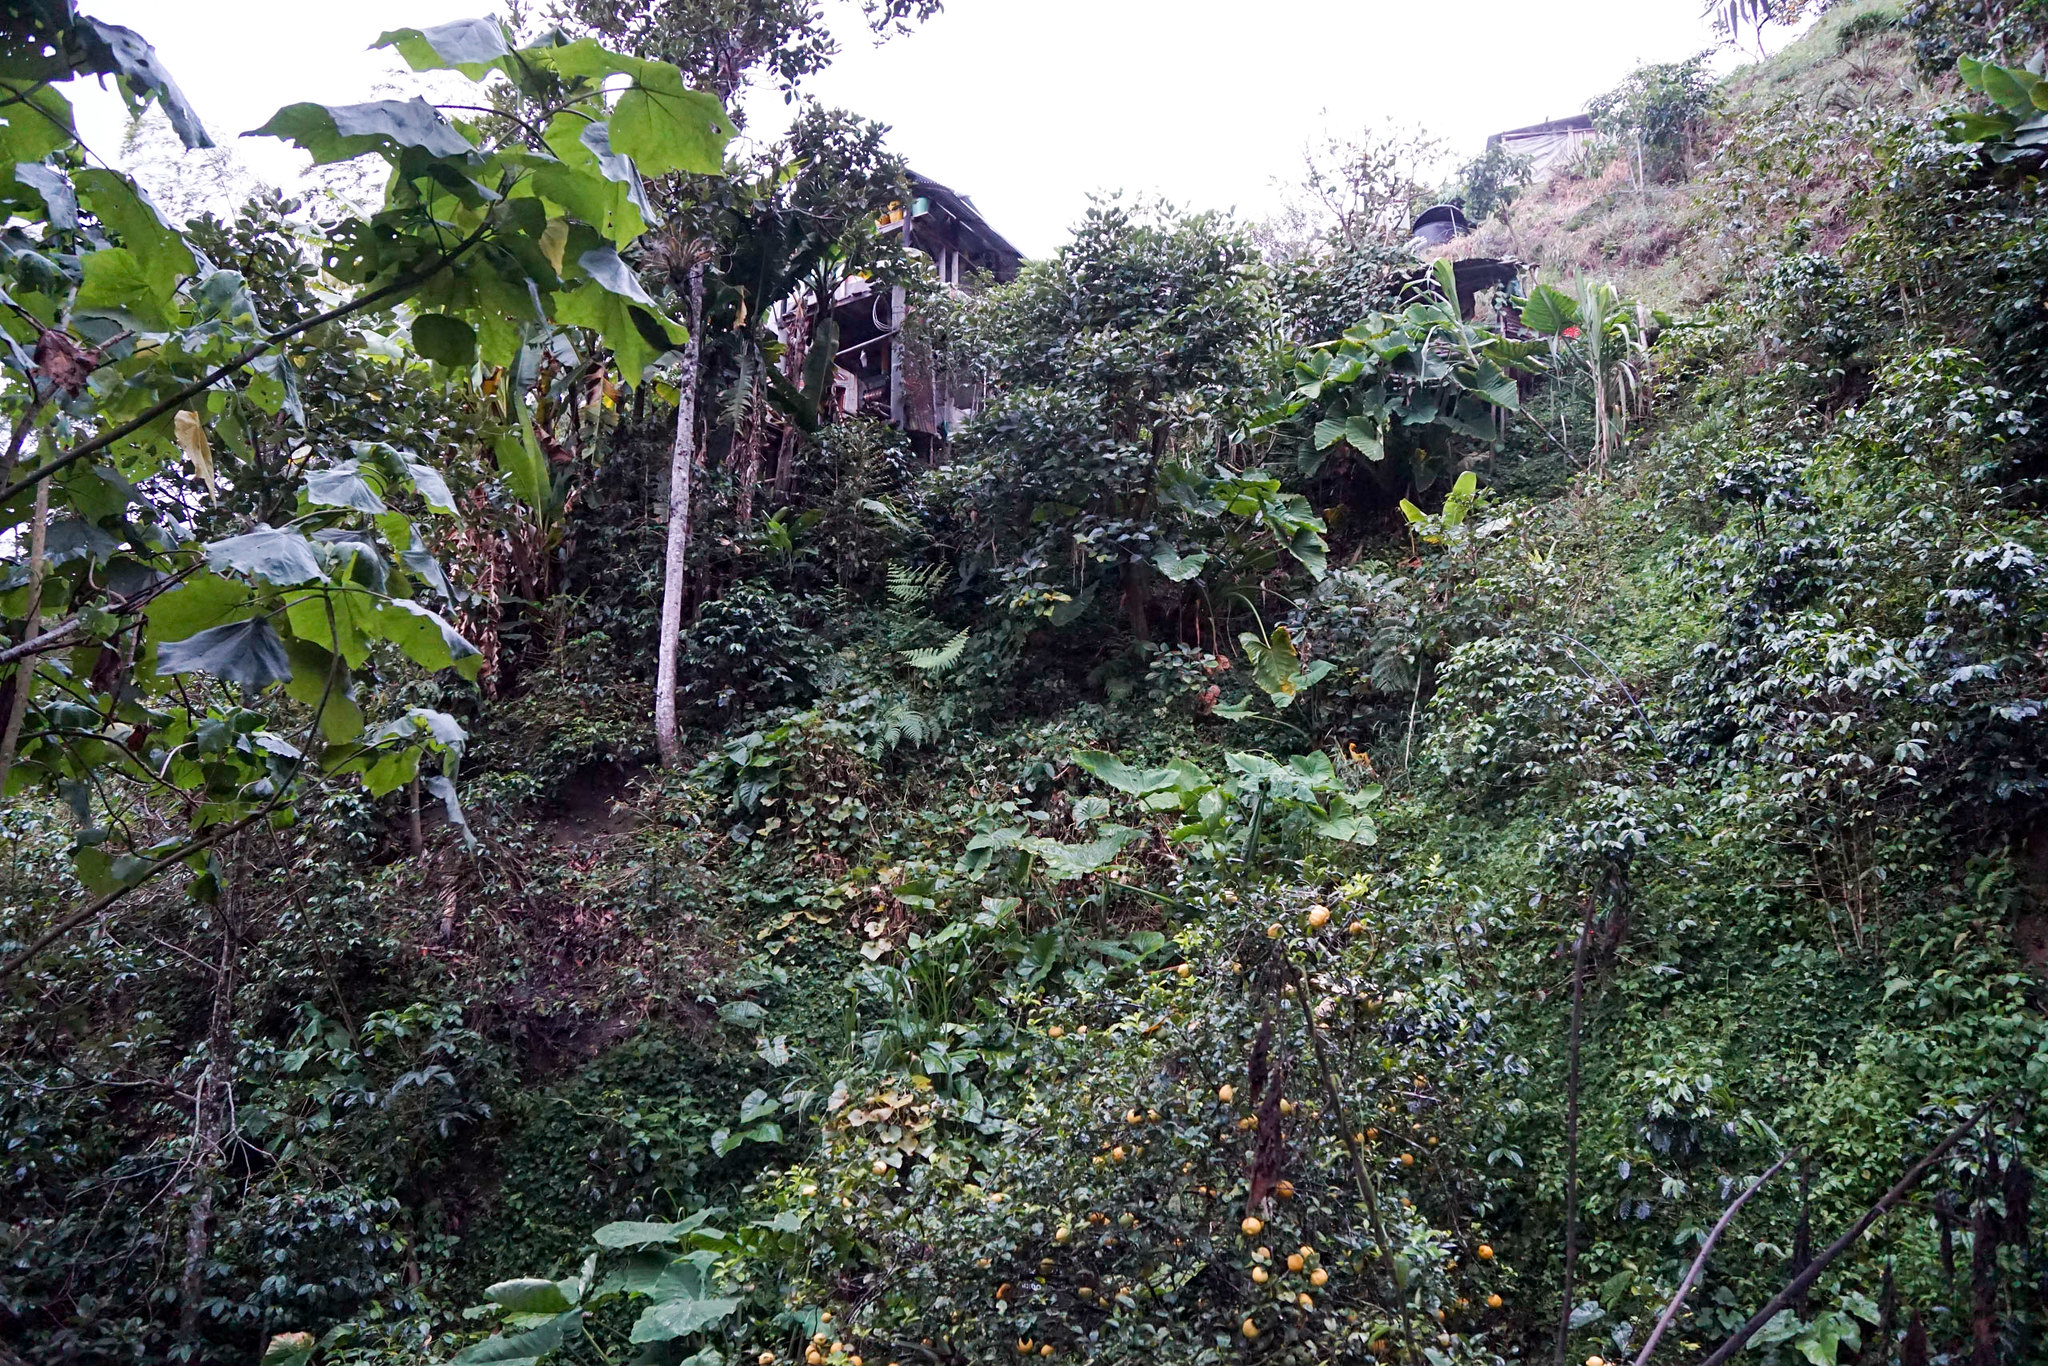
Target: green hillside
1266 842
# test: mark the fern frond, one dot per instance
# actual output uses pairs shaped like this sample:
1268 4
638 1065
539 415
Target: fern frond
939 659
910 586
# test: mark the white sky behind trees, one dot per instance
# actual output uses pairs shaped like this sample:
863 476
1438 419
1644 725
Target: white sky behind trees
1029 106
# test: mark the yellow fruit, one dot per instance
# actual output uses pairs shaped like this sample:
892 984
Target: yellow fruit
1286 1107
1117 1154
1356 927
1285 1190
820 1339
1294 1261
1485 1252
825 1317
1407 1159
1373 1135
807 1190
1132 1116
1319 1277
1250 1329
1259 1275
1251 1225
1273 930
1307 1251
1493 1301
1065 1235
765 1359
1432 1140
1057 1032
1046 1350
1226 1094
853 1361
1305 1300
812 1358
881 1167
1318 916
1595 1361
1184 970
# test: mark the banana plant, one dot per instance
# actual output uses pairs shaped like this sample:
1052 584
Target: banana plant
2016 127
1603 337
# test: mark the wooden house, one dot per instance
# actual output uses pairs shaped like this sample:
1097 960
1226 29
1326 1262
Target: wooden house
878 371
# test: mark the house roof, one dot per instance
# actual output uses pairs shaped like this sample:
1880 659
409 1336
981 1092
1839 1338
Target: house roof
1576 123
1004 258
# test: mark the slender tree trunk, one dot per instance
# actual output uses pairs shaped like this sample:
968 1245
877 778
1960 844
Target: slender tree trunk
211 1111
681 472
25 671
785 464
1984 1321
1571 1127
419 838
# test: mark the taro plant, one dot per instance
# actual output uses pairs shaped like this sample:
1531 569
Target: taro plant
1397 389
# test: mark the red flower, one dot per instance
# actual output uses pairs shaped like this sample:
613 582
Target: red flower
1571 333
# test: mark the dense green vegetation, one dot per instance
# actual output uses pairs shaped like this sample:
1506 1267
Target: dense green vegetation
1311 829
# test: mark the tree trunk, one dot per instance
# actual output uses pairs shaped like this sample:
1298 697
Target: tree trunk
25 671
211 1110
681 473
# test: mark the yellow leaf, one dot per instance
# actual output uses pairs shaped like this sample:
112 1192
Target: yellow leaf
191 434
553 240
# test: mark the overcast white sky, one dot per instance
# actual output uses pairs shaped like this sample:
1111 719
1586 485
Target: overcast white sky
1031 105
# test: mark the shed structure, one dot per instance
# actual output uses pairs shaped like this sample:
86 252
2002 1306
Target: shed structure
1548 146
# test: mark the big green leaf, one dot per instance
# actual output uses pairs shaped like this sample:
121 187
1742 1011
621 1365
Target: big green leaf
427 639
1549 310
530 1296
439 337
636 332
135 222
245 652
471 46
339 132
1121 776
277 556
202 601
520 1349
1064 861
636 1233
117 286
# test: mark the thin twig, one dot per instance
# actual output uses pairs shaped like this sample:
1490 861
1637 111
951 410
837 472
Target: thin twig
201 385
1800 1283
1571 1129
1366 1190
1699 1263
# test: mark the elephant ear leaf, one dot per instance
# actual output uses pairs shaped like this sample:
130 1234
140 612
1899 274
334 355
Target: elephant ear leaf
1549 311
520 1349
245 652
